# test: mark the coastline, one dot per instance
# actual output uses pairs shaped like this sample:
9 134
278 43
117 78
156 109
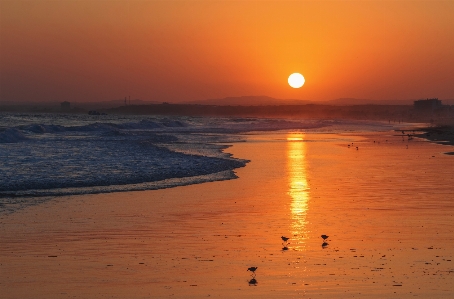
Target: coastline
51 155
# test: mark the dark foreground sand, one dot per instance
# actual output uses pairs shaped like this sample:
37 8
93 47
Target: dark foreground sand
387 207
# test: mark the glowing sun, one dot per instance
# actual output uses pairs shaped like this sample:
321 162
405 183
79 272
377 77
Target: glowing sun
296 80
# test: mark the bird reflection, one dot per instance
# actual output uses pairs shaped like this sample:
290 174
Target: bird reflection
253 282
324 244
284 248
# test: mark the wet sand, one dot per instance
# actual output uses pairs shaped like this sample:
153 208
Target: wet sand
388 211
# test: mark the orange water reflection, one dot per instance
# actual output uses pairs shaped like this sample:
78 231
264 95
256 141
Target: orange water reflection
298 188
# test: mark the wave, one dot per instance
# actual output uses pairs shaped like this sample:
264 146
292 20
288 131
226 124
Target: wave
11 135
144 125
53 160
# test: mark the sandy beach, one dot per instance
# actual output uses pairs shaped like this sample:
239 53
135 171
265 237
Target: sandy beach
385 202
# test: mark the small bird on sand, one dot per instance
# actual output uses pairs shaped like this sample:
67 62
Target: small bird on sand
285 239
324 237
252 269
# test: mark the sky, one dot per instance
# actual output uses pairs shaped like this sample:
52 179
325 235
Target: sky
177 51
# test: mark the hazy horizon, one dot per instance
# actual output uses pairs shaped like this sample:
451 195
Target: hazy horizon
183 51
248 100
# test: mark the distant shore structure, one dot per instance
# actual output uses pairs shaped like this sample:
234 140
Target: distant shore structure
427 104
65 106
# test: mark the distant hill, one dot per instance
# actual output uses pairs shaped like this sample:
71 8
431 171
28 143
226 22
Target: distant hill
249 101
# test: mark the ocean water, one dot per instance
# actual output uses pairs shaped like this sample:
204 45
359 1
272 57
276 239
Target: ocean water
44 155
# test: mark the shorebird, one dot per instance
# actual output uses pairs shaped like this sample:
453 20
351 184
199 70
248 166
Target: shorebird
285 239
252 269
324 237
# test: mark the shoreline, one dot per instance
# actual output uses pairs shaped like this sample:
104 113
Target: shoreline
443 135
134 154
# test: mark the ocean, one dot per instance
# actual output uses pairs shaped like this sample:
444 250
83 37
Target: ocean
67 154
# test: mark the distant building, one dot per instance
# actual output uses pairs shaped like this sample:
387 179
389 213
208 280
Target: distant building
65 106
428 104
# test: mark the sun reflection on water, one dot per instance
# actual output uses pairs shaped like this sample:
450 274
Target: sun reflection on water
298 187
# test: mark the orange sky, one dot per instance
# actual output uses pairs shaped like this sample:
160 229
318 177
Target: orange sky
80 50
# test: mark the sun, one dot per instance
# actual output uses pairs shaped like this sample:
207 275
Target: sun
296 80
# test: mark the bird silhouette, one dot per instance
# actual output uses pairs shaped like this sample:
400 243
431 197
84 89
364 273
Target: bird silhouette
324 237
285 239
